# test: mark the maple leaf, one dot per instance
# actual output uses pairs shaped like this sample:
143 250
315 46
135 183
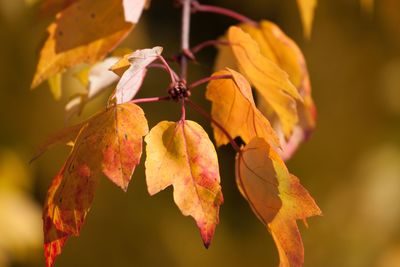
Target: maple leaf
102 26
182 155
109 143
307 9
278 47
276 197
234 109
269 80
132 77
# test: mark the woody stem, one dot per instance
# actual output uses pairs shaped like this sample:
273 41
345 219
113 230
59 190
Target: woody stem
185 36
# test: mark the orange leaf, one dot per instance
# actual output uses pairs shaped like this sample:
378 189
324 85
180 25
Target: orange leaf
111 142
278 47
101 25
276 197
182 155
307 8
270 81
233 107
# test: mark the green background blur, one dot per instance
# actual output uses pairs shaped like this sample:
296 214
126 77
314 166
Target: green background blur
351 165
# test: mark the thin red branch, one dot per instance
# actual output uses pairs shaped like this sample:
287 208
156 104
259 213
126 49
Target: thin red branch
205 114
206 44
197 7
208 79
172 74
150 99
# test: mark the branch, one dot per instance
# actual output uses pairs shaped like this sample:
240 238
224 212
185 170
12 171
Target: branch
185 36
223 11
150 99
208 79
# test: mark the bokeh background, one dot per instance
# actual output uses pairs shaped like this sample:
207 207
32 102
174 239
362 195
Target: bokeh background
351 165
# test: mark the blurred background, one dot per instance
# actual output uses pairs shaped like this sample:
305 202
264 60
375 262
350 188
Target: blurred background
351 165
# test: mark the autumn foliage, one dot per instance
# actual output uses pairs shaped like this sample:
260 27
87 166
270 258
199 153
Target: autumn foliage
264 133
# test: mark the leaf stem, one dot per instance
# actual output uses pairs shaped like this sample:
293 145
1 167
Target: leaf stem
205 114
208 79
150 99
208 43
197 7
172 74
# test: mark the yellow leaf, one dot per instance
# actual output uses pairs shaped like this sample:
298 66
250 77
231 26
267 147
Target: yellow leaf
276 197
270 81
101 25
182 155
233 108
307 8
109 143
278 47
55 84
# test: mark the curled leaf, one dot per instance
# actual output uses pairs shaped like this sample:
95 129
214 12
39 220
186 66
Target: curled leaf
276 197
182 155
132 79
234 109
109 143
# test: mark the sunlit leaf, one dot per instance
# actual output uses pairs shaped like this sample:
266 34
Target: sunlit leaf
234 109
276 197
132 79
84 32
307 9
270 81
182 155
278 47
109 143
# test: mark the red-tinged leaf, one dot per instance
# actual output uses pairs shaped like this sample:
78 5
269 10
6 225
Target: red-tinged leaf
101 25
276 197
234 109
54 239
132 79
269 80
109 143
182 155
